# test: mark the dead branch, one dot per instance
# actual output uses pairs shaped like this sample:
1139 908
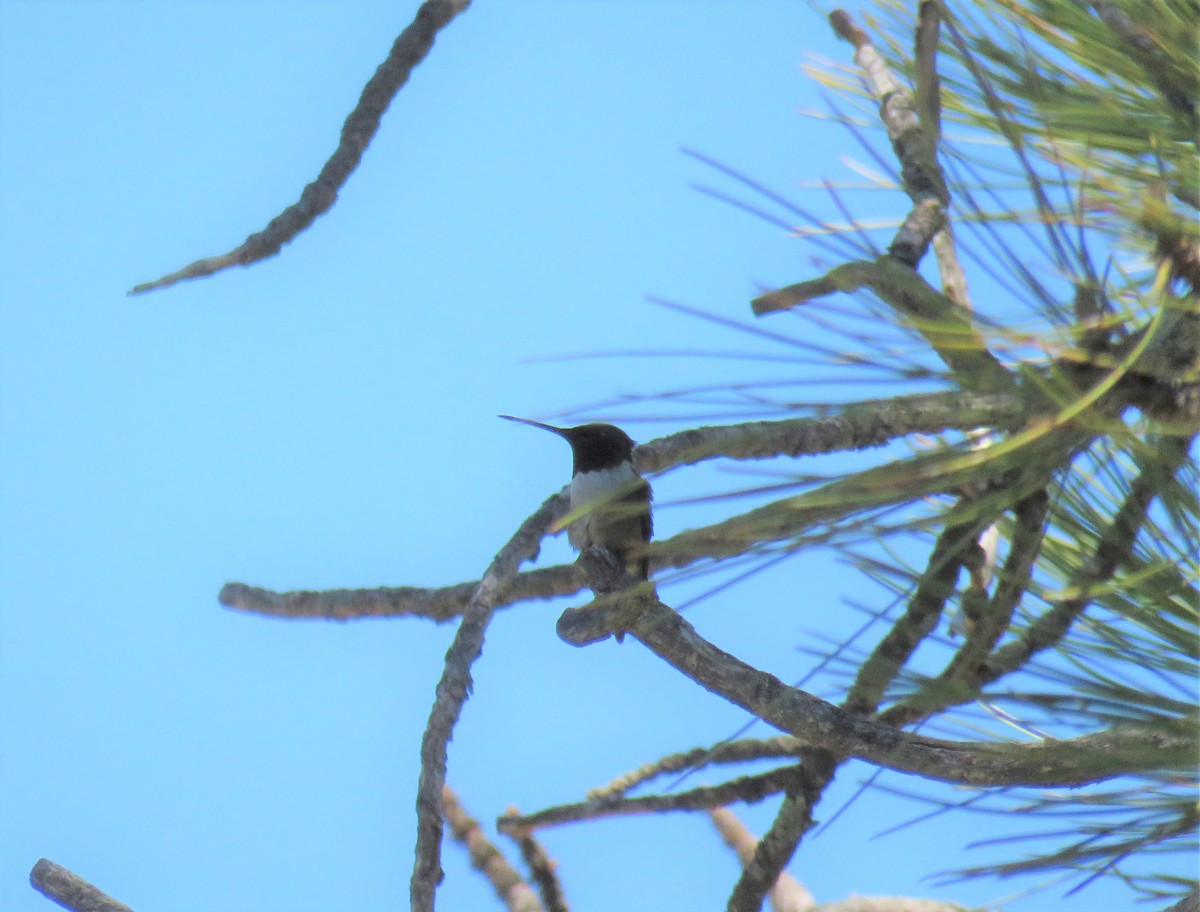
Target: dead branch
70 890
452 692
409 49
817 724
509 885
787 893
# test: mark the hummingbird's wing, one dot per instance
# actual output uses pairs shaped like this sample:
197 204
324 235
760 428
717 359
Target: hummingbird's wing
642 495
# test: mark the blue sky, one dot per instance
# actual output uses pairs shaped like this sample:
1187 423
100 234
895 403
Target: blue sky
327 419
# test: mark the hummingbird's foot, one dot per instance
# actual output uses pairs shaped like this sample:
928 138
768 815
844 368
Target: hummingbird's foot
620 600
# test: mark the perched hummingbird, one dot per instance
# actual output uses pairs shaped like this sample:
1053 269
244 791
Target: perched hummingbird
603 475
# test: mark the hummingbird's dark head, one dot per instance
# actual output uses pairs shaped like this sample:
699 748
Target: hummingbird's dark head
598 446
595 446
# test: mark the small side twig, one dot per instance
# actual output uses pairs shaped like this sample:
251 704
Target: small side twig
745 789
70 890
787 894
762 872
509 885
542 869
696 758
409 49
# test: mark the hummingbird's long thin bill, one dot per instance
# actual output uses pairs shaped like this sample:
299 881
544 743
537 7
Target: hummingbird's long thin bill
537 424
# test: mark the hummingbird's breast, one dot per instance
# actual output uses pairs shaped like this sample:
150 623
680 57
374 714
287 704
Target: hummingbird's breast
620 522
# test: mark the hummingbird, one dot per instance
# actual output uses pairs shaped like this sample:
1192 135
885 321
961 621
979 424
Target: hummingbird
603 475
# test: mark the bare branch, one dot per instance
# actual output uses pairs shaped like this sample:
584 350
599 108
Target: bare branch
509 885
543 869
762 872
70 890
725 752
787 894
452 692
747 789
817 724
440 604
409 49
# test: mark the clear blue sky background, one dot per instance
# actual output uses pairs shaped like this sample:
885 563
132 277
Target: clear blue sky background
327 419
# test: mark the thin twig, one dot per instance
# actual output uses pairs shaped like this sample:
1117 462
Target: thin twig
696 758
787 894
409 49
509 885
746 789
543 869
944 324
762 872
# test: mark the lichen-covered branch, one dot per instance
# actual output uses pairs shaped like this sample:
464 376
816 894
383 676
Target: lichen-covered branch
725 752
762 871
452 692
409 49
70 890
543 870
439 603
821 725
787 893
509 885
746 789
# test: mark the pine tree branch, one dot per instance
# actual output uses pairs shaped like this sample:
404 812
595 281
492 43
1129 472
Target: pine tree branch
959 681
409 49
944 324
747 789
1115 545
975 666
70 890
919 172
936 585
509 885
762 872
696 758
787 894
820 725
439 604
543 870
452 692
